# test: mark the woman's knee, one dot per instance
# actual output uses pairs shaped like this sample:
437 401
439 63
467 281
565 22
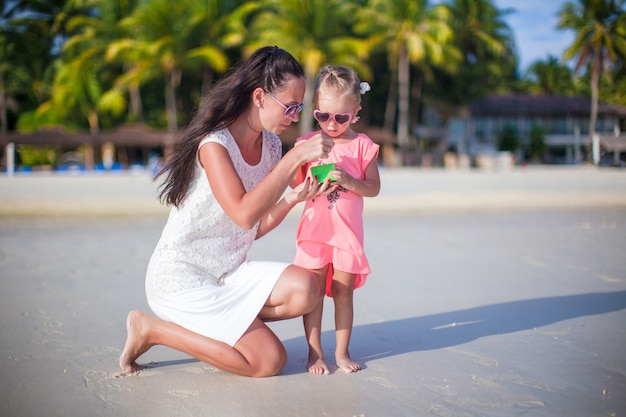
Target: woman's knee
263 351
271 365
271 359
305 288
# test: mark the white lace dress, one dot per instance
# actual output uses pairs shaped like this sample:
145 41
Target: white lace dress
198 276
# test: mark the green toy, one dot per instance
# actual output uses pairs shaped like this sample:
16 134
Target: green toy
323 172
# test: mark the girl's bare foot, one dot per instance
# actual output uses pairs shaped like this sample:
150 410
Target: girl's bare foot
347 364
135 345
317 366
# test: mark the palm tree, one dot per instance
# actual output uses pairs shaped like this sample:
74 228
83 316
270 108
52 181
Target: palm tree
93 29
549 77
221 25
487 47
8 35
26 51
315 32
613 85
413 34
163 41
600 40
82 77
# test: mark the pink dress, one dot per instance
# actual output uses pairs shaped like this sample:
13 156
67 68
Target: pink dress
331 227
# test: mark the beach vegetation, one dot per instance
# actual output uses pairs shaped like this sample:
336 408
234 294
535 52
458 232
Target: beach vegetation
536 146
508 139
94 65
600 43
39 155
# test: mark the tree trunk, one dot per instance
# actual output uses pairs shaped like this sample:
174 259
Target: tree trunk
94 129
306 117
416 96
391 106
596 68
7 160
403 103
3 108
136 107
171 84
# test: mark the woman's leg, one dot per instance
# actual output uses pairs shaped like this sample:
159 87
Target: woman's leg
296 293
343 291
259 353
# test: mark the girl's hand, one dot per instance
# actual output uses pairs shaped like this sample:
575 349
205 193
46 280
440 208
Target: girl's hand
307 190
342 177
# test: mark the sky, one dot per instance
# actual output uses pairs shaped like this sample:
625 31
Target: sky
534 26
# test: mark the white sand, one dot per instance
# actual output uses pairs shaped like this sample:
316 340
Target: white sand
492 294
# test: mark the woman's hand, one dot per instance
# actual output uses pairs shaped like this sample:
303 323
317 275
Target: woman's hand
307 190
316 147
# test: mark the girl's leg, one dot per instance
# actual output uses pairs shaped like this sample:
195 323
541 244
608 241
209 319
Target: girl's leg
313 329
343 291
258 353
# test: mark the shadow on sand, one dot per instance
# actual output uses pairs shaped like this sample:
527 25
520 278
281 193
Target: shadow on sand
391 338
395 337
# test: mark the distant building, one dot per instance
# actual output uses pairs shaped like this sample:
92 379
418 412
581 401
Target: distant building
564 120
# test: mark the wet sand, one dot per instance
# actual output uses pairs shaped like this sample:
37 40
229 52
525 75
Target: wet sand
492 294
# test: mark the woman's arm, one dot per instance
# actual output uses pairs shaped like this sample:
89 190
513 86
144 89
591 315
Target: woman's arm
246 209
300 175
277 214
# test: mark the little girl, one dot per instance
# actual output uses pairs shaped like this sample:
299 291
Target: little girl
330 233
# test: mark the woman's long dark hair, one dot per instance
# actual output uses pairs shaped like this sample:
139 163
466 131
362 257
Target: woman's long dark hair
269 67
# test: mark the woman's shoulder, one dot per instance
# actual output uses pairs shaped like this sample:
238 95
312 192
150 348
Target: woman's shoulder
221 136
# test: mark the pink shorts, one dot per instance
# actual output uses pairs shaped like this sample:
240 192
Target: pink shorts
315 255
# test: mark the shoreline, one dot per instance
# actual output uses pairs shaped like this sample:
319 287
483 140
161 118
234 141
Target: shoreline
403 191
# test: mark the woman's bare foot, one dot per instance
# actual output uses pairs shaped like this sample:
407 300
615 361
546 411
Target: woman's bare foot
347 364
317 366
135 344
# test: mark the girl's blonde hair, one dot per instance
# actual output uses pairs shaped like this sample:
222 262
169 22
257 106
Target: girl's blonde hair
340 80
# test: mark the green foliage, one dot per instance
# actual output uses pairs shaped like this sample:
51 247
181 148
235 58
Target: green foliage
508 139
487 47
38 155
316 32
549 77
96 63
600 41
536 145
613 87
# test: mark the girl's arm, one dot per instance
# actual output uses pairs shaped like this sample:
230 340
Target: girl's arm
246 209
368 187
299 177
